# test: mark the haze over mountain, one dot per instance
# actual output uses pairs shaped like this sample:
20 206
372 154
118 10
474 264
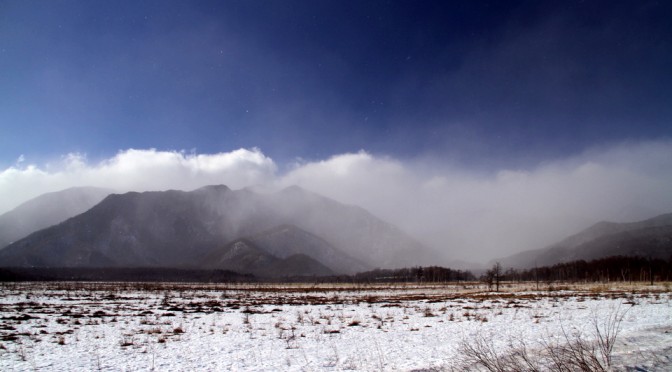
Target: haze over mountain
236 229
244 256
46 210
482 128
647 238
285 241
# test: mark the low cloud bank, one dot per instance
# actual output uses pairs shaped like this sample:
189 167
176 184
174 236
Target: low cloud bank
136 170
466 214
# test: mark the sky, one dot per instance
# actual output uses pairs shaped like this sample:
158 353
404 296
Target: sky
526 119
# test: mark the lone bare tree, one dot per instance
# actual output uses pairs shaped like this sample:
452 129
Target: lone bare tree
494 276
497 268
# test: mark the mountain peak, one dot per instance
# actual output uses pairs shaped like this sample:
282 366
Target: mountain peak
213 189
293 189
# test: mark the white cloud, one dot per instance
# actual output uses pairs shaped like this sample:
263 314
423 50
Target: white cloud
479 217
137 170
467 214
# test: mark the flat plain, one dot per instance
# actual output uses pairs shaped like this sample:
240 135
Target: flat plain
313 327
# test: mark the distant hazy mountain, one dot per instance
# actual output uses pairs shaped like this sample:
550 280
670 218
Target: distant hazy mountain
46 210
293 229
245 257
287 240
648 238
352 229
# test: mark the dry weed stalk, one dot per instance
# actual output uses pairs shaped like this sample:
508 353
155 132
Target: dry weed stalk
573 352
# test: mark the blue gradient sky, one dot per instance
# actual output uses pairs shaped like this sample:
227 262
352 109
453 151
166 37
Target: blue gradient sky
480 84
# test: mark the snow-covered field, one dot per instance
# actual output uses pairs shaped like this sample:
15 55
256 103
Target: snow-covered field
303 327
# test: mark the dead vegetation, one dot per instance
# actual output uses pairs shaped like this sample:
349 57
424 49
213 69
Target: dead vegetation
570 351
150 315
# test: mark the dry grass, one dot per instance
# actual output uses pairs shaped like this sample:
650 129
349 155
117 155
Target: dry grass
164 313
572 351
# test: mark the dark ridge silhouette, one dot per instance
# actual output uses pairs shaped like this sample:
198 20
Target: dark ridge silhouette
648 238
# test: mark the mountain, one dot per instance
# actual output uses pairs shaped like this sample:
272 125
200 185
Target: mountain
237 229
647 238
150 229
245 257
287 240
46 210
352 229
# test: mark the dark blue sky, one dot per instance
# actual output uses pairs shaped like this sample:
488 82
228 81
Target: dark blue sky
484 84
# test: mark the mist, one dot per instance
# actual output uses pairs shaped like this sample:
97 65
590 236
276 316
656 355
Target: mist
465 213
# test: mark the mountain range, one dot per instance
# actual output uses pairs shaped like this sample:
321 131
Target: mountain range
290 232
46 210
651 238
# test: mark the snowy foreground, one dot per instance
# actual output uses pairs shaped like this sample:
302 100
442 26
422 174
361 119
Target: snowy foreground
116 326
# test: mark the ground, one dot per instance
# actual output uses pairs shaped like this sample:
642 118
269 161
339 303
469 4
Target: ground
306 327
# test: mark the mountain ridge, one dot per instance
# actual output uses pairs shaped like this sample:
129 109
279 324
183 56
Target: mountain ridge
602 239
181 228
46 210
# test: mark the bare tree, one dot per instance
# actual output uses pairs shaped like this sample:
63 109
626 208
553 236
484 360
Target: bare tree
489 278
493 276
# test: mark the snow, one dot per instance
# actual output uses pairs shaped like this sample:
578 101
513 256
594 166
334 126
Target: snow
301 327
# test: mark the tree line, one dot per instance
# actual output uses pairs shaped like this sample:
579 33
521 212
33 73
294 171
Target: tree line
608 269
426 274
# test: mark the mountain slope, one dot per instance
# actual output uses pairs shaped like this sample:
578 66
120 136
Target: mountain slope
653 242
245 257
351 229
166 229
241 256
287 240
179 229
46 210
647 238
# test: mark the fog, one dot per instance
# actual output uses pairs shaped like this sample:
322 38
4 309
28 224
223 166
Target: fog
469 214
